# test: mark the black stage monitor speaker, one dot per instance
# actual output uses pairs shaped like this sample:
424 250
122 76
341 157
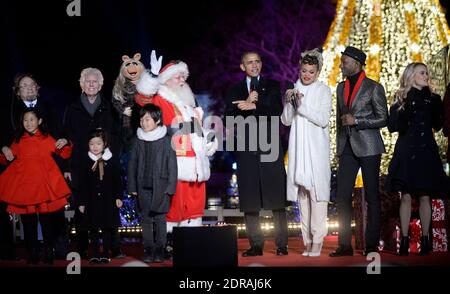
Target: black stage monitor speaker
205 246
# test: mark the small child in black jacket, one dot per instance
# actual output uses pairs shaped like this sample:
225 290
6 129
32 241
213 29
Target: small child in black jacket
100 195
152 176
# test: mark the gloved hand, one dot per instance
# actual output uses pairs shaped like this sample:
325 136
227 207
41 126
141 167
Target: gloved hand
212 143
155 64
127 111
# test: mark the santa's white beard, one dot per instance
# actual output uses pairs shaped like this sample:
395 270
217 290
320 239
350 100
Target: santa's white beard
185 94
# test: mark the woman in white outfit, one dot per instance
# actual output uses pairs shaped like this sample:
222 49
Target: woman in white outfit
307 111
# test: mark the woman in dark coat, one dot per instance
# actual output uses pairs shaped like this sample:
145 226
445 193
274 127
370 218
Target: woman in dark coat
416 168
100 194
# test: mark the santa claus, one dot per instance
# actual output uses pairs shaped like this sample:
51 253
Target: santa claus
192 143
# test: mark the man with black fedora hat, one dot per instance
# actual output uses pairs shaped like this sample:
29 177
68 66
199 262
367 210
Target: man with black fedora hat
361 112
356 54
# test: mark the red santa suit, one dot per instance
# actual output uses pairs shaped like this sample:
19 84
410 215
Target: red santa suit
33 183
192 151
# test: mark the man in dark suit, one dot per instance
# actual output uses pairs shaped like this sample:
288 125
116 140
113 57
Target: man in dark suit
261 174
361 112
26 95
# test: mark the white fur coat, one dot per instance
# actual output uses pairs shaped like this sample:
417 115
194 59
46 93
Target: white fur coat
309 142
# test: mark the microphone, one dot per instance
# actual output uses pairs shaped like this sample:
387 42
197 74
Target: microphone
293 101
254 84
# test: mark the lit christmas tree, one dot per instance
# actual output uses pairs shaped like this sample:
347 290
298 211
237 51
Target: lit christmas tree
393 33
232 193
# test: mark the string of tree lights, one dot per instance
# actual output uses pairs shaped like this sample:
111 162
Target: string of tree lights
393 33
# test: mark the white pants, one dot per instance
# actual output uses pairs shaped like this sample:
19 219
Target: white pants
196 222
313 216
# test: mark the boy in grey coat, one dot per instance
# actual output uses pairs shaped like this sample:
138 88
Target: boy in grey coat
152 176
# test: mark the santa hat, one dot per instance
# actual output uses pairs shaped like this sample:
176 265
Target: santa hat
171 69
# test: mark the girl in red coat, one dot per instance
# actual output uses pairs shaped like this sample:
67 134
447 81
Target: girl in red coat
33 185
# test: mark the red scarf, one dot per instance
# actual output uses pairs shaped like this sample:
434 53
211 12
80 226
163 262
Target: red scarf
142 99
349 100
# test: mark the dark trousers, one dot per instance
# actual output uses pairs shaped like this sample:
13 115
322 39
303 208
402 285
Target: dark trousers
151 224
61 235
116 243
255 235
349 165
82 233
48 223
6 234
106 235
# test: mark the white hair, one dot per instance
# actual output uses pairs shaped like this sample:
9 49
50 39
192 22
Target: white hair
91 71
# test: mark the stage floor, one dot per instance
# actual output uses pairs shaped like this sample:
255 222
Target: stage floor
134 252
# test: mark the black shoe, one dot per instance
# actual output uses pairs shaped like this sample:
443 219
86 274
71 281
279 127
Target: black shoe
282 251
425 247
147 258
104 260
168 250
369 250
157 259
404 246
33 256
168 253
148 255
94 260
9 255
253 251
119 256
341 251
10 258
83 254
49 256
158 255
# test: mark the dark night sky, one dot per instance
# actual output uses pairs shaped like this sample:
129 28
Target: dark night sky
38 37
41 39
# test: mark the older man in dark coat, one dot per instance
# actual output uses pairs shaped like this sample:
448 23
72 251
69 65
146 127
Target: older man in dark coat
261 174
88 112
